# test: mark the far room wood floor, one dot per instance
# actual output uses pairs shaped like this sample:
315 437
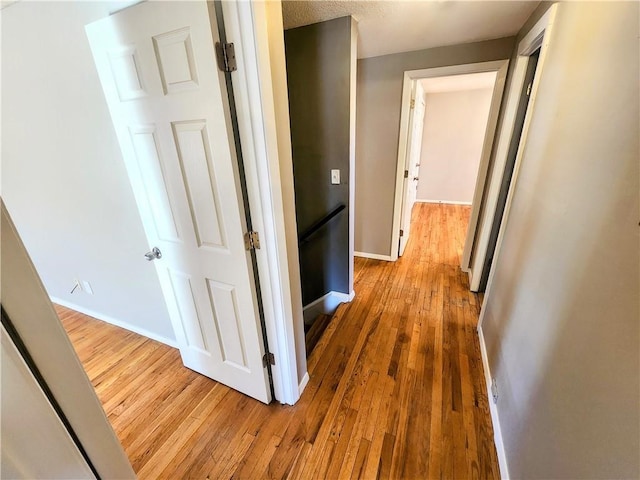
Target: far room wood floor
397 387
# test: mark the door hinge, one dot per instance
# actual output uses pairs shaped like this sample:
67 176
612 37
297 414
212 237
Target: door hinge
413 103
401 233
226 55
268 359
251 240
529 88
406 174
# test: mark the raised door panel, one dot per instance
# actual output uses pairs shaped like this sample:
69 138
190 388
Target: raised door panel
152 172
176 62
190 318
125 68
224 303
199 180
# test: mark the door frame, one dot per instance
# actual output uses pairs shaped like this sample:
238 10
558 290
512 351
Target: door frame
499 66
415 85
538 37
246 25
42 336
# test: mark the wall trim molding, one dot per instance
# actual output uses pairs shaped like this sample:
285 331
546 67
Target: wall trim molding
326 305
445 202
374 256
493 408
114 321
303 383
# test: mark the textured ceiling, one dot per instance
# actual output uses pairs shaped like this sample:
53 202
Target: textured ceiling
395 26
454 83
6 3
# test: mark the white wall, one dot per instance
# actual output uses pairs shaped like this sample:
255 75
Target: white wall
454 128
562 316
63 178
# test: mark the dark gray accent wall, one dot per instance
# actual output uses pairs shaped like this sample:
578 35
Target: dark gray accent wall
379 95
318 77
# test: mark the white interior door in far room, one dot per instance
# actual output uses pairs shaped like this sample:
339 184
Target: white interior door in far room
167 99
412 166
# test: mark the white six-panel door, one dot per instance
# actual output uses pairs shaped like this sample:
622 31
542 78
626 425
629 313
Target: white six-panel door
156 63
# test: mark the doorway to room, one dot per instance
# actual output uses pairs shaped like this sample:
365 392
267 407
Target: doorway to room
444 150
448 125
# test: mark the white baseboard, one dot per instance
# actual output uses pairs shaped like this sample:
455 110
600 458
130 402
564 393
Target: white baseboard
343 297
493 408
446 202
326 305
118 323
374 256
303 383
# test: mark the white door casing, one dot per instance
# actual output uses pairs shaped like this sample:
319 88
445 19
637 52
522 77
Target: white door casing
37 445
34 320
412 166
156 63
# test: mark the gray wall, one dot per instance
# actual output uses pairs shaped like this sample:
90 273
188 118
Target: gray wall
318 76
562 317
63 178
452 140
379 93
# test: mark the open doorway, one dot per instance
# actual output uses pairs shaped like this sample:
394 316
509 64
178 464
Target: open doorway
444 150
446 141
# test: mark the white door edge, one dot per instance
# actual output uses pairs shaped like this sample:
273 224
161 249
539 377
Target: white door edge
406 180
414 148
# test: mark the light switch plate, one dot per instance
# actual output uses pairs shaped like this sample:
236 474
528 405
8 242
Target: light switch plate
335 177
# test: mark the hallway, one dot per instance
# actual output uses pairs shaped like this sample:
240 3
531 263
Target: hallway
396 384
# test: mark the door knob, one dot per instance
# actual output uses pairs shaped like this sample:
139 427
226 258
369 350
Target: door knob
415 179
153 254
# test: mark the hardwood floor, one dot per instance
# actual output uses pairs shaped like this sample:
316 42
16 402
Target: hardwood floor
396 384
315 332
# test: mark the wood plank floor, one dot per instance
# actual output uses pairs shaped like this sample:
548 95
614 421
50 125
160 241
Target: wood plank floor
396 391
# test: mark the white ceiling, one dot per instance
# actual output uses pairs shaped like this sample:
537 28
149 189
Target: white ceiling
6 3
395 26
454 83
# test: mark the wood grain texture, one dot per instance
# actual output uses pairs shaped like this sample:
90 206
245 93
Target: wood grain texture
396 385
314 333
